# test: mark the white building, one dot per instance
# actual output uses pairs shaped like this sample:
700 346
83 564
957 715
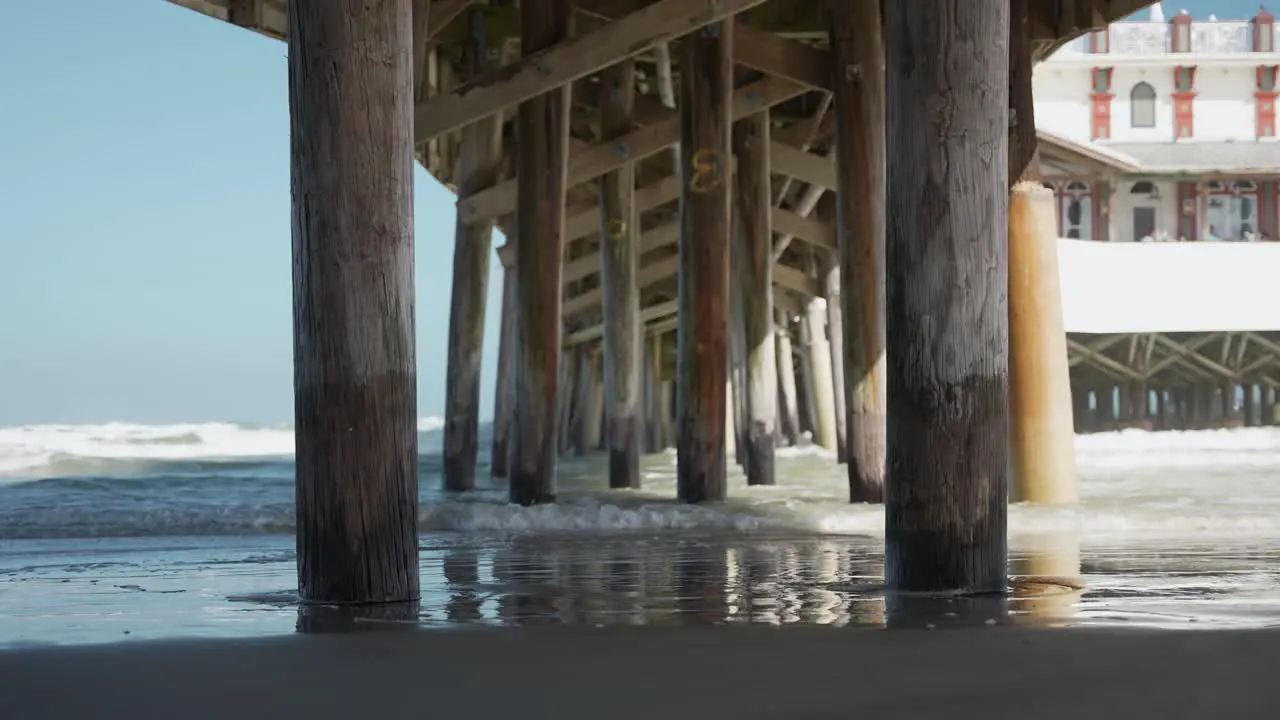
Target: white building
1164 128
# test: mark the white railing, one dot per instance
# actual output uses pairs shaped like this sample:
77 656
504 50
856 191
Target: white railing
1154 38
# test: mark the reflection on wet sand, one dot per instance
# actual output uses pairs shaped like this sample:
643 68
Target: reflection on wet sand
693 581
1049 586
687 580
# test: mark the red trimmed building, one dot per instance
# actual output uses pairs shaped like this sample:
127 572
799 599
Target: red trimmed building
1164 128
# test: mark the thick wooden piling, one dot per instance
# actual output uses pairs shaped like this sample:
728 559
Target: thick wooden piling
789 412
706 65
858 91
1042 434
619 262
479 163
504 393
947 307
355 383
753 264
542 125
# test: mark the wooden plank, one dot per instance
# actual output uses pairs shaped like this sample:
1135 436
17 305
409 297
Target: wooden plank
811 231
651 274
706 63
587 222
355 409
813 169
591 334
639 144
542 170
568 60
947 306
777 56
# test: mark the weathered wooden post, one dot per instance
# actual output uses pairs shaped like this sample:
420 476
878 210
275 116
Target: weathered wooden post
355 382
542 160
947 309
858 92
753 263
706 65
479 163
504 393
619 262
789 413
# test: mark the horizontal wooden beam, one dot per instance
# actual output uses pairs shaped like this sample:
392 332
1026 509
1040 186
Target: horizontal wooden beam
647 315
777 56
604 157
554 67
806 166
586 221
659 270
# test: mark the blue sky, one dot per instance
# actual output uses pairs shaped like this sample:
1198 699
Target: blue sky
144 220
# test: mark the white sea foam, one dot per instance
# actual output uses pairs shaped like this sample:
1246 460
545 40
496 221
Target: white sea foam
28 449
1177 486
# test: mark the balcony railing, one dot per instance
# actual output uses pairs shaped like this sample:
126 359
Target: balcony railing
1156 38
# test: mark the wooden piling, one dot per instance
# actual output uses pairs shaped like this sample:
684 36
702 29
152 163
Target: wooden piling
835 339
619 262
858 90
789 412
593 410
1042 438
705 85
478 167
355 383
542 124
753 265
504 393
823 390
947 308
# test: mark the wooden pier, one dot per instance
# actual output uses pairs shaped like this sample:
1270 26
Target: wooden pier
696 194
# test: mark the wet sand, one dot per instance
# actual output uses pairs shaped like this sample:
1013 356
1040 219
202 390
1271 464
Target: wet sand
619 673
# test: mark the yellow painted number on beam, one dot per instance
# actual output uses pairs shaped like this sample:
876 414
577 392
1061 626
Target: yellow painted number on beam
705 167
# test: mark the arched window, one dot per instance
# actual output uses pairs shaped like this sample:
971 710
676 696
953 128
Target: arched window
1142 106
1143 187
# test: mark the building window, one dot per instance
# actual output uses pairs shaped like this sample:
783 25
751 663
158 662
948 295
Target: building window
1267 78
1142 106
1184 78
1233 211
1075 219
1102 80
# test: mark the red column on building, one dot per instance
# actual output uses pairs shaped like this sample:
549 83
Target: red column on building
1262 34
1101 99
1180 33
1184 106
1265 101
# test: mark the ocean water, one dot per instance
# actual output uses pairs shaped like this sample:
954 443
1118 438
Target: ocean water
122 531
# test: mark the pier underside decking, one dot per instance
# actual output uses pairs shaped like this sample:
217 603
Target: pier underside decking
781 50
739 174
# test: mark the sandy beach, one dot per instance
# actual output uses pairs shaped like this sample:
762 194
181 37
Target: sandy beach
657 672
